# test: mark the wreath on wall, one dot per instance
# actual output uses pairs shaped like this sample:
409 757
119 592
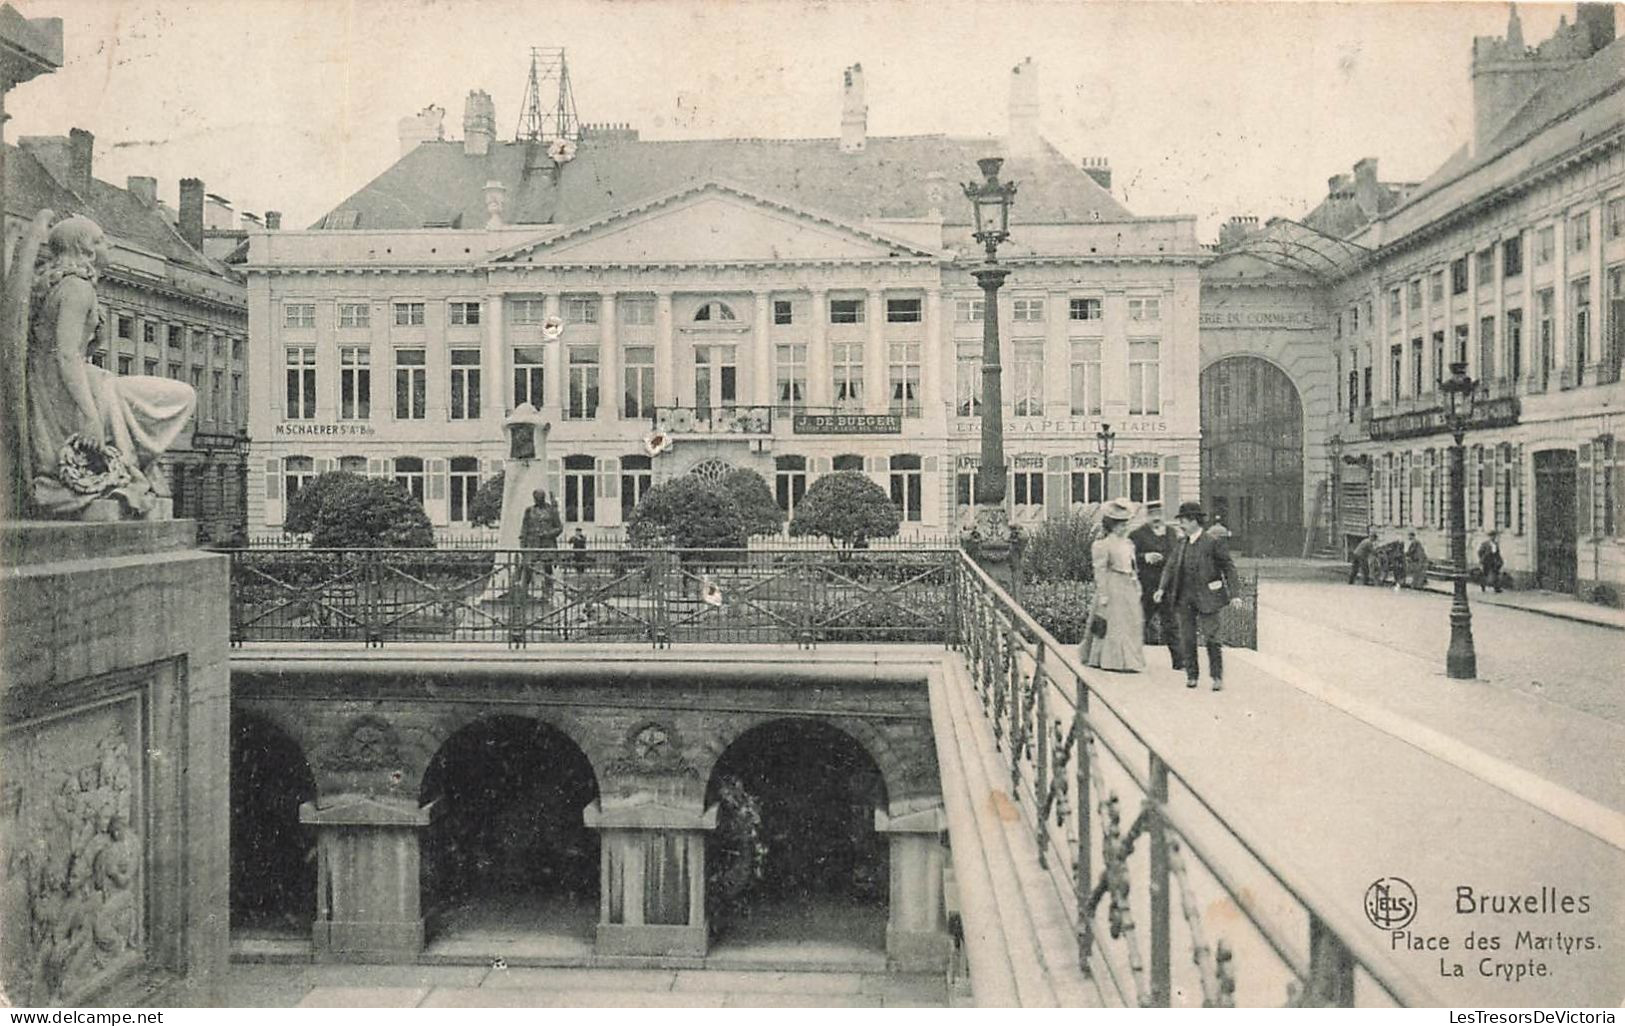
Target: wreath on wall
89 466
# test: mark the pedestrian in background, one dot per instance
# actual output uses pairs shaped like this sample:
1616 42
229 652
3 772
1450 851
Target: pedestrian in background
578 556
1153 541
1117 593
1198 581
1360 560
1490 562
1416 562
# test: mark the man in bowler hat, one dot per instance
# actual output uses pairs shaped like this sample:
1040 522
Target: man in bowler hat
1153 542
1198 580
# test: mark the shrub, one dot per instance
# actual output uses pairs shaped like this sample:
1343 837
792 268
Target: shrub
846 507
1060 607
300 516
689 513
486 509
1060 550
755 500
371 512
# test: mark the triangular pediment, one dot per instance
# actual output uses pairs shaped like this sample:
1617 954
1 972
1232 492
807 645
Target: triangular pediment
715 224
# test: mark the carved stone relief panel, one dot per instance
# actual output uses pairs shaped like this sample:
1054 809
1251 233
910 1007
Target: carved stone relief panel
74 815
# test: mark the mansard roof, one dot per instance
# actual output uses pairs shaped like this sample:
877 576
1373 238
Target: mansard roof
438 184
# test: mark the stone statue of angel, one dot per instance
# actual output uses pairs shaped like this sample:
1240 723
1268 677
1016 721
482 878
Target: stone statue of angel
86 433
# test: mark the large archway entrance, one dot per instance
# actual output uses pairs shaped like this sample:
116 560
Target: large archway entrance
1252 455
509 867
273 855
795 860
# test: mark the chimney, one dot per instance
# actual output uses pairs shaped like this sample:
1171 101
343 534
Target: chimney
426 125
1236 230
81 149
479 123
273 220
1100 169
191 214
1023 138
854 112
143 188
1367 193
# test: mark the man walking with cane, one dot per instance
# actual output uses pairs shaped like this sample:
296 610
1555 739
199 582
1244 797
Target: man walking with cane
1198 580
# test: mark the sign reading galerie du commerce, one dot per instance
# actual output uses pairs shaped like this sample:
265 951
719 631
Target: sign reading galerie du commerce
1502 412
847 424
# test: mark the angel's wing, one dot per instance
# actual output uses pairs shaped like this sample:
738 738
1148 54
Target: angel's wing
14 318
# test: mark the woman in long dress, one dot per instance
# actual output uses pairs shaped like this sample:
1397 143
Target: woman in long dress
68 396
1117 594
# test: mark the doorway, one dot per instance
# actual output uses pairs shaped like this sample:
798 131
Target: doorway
1252 455
1556 549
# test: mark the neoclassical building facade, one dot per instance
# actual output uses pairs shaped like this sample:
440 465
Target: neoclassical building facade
792 306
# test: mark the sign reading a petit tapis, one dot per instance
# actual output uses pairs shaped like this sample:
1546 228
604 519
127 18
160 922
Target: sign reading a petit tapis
847 424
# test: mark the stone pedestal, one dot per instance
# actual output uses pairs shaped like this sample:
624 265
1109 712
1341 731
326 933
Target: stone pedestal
114 802
652 888
367 877
917 937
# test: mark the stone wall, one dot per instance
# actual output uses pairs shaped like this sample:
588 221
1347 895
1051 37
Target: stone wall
113 807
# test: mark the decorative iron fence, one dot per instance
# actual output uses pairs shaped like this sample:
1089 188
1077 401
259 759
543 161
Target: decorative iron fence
1077 767
657 596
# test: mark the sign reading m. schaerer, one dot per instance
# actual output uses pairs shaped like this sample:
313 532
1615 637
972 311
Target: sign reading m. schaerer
847 424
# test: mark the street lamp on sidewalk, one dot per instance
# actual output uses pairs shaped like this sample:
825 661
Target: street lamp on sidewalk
991 199
1461 663
1105 438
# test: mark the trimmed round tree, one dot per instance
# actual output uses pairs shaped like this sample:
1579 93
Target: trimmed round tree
687 513
846 507
486 509
755 500
371 512
300 516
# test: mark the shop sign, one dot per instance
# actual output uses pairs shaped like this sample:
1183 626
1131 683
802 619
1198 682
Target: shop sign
847 424
1064 427
305 429
1290 320
1492 413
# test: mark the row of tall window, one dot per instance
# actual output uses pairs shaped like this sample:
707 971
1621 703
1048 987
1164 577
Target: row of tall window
1503 357
1025 379
203 342
219 398
1412 489
1079 308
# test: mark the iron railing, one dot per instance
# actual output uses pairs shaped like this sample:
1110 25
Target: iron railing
1076 764
658 596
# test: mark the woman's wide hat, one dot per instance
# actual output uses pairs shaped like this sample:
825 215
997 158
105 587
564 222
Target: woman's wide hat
1117 509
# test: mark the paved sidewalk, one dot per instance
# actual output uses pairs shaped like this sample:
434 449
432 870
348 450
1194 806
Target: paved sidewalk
415 986
1546 603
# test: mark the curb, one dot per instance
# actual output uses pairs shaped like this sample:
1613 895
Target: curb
1556 614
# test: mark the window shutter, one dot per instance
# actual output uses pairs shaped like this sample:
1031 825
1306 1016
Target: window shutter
555 482
437 479
929 465
1170 487
1415 485
326 465
491 468
1582 489
1474 455
377 468
1117 478
1619 489
877 464
1517 483
609 479
818 464
273 492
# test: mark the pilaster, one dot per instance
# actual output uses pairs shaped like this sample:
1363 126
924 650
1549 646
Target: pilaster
609 360
876 397
818 366
761 352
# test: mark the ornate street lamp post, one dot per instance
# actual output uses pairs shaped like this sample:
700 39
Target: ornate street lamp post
991 200
1461 663
1105 438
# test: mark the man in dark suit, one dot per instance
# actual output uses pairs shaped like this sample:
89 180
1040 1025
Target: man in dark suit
1153 542
1198 580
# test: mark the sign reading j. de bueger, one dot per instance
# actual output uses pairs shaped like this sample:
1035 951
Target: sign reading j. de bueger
847 424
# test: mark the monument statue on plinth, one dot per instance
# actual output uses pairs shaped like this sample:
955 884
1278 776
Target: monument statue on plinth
78 433
526 472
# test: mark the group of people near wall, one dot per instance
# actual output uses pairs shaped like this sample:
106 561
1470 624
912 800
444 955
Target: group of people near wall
1406 562
1177 576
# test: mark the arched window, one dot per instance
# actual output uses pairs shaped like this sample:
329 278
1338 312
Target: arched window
409 475
353 464
848 461
580 497
907 486
637 477
789 482
297 471
465 481
715 311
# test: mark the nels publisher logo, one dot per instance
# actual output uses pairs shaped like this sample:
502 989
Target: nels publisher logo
1390 903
